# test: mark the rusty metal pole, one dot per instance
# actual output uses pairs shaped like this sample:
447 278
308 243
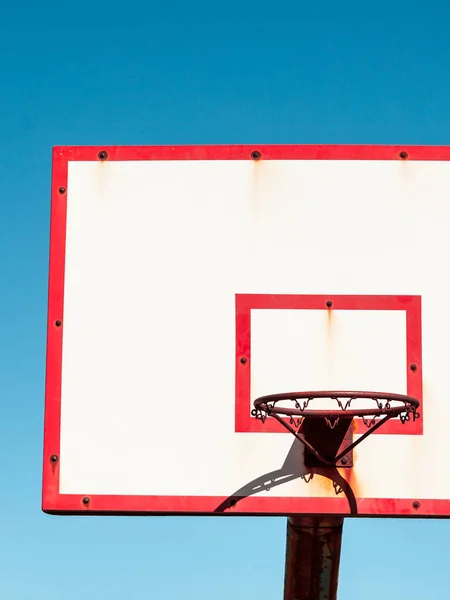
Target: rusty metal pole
313 551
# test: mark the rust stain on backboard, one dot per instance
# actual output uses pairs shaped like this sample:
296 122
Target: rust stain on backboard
329 312
257 170
351 477
324 483
330 322
102 174
329 343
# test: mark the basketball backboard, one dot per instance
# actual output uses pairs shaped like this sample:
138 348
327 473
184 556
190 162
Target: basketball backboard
185 282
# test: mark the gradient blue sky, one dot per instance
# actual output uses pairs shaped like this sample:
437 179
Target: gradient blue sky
146 73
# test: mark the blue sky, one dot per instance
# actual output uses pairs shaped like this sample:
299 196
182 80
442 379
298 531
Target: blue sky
145 73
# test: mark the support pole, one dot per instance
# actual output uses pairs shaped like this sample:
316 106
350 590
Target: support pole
313 551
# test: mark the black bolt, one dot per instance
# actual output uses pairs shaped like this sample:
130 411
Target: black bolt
416 504
103 155
53 458
62 190
403 155
256 155
58 323
243 360
329 303
233 502
344 460
86 500
413 367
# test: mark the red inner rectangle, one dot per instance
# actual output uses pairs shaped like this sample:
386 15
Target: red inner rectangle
245 422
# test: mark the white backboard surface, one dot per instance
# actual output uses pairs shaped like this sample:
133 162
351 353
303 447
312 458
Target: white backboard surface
170 265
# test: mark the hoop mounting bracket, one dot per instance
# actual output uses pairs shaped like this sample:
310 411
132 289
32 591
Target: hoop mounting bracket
329 443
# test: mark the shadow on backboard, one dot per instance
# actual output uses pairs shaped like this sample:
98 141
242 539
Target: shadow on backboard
292 468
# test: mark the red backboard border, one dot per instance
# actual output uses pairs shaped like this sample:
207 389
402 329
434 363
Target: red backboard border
55 503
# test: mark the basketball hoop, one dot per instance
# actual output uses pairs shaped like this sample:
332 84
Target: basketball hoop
387 406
